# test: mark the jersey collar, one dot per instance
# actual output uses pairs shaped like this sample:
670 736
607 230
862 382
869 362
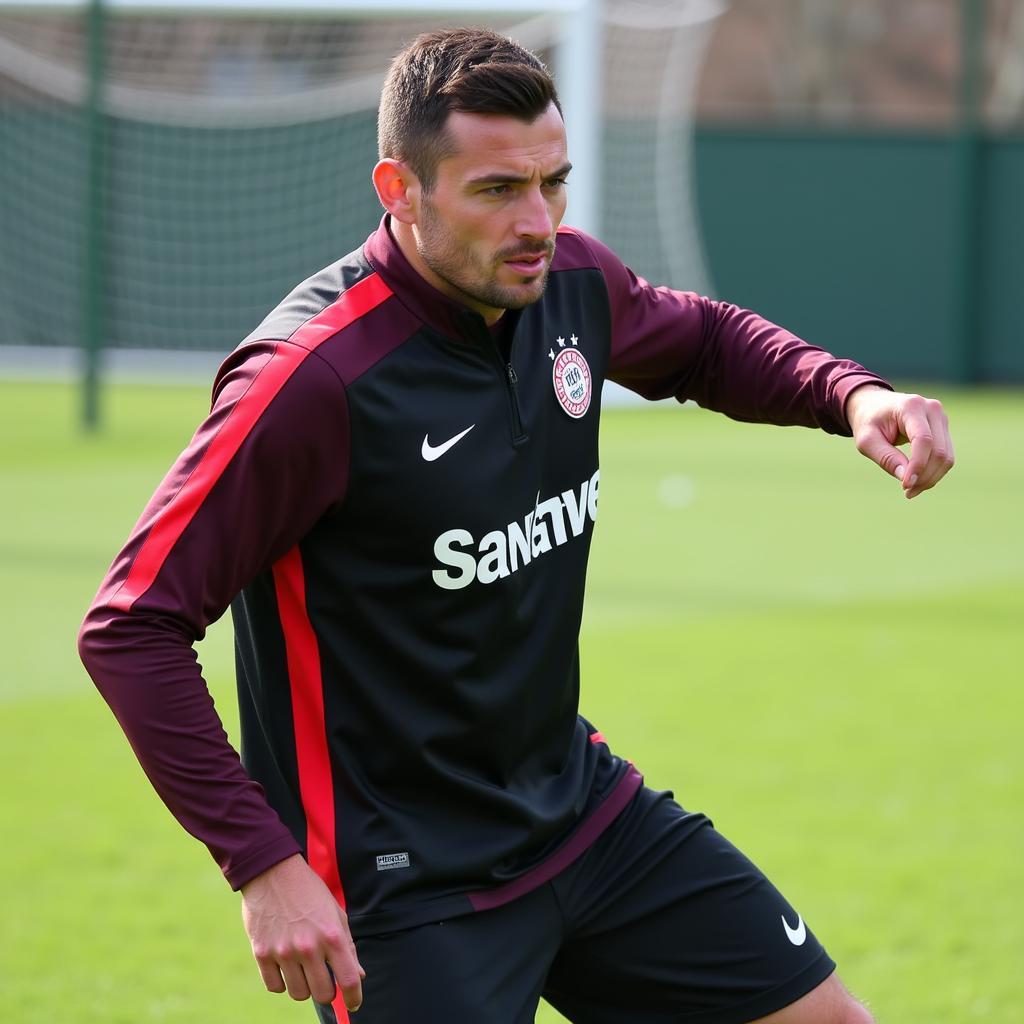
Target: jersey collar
416 293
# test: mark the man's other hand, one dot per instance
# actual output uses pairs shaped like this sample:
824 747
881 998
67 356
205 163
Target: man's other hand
881 420
297 929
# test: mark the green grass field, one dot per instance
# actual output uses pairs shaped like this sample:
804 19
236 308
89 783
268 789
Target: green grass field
830 671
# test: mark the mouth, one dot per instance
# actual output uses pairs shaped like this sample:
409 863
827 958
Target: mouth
528 264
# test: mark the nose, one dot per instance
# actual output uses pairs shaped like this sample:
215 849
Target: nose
534 216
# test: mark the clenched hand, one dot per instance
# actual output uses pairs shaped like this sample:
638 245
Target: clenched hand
881 420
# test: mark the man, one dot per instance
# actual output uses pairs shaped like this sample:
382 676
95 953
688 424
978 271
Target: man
395 491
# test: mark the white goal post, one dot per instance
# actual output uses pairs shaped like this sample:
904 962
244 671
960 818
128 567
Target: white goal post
162 188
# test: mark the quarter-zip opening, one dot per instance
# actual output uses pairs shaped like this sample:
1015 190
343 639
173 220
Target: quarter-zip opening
503 343
512 380
474 323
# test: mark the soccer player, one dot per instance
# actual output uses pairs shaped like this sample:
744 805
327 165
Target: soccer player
395 492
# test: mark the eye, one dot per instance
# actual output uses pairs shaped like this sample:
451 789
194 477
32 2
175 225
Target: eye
556 183
496 190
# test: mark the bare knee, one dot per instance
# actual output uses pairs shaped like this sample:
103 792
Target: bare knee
855 1013
829 1003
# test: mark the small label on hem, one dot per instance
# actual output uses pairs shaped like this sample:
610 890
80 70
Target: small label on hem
390 861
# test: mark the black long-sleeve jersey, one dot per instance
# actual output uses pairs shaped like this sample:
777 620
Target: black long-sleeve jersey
399 509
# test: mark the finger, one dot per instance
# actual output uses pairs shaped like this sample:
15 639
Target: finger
919 431
295 979
271 975
874 445
348 976
941 457
354 956
320 981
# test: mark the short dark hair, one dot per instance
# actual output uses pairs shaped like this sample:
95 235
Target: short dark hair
473 70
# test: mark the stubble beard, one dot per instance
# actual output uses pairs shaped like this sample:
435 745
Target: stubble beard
456 266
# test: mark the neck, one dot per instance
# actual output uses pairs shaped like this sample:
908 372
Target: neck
405 237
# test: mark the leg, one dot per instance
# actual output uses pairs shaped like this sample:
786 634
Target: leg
829 1003
668 922
485 968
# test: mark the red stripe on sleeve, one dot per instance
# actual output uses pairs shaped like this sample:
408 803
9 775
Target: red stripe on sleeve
316 784
180 510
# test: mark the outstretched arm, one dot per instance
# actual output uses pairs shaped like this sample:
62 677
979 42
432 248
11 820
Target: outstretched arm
670 343
881 420
667 343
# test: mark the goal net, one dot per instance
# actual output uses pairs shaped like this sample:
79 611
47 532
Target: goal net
225 153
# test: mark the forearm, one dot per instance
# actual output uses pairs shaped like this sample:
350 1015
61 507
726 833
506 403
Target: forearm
148 673
751 369
259 472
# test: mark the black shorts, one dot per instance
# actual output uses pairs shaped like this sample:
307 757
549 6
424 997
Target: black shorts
662 919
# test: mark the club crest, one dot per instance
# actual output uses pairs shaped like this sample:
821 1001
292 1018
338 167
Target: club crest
573 383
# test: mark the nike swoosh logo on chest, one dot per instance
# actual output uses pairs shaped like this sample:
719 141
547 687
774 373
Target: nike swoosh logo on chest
431 452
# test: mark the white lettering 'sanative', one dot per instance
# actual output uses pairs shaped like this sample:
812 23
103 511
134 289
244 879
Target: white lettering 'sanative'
551 523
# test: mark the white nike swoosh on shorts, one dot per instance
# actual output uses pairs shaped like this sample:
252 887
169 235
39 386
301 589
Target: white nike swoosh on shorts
797 935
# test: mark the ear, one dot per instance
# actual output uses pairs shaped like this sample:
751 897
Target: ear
398 189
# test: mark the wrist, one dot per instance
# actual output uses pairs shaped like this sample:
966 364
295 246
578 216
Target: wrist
857 396
269 876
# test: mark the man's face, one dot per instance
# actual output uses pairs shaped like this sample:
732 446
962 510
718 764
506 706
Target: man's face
486 230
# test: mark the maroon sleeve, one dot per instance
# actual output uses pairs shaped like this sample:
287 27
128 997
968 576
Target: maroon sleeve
668 343
267 463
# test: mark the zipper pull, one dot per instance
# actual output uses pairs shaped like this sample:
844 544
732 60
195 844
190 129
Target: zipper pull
510 371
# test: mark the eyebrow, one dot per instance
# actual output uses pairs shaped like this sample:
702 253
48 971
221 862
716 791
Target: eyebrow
501 178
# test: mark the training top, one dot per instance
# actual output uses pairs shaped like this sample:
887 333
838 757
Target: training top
397 503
